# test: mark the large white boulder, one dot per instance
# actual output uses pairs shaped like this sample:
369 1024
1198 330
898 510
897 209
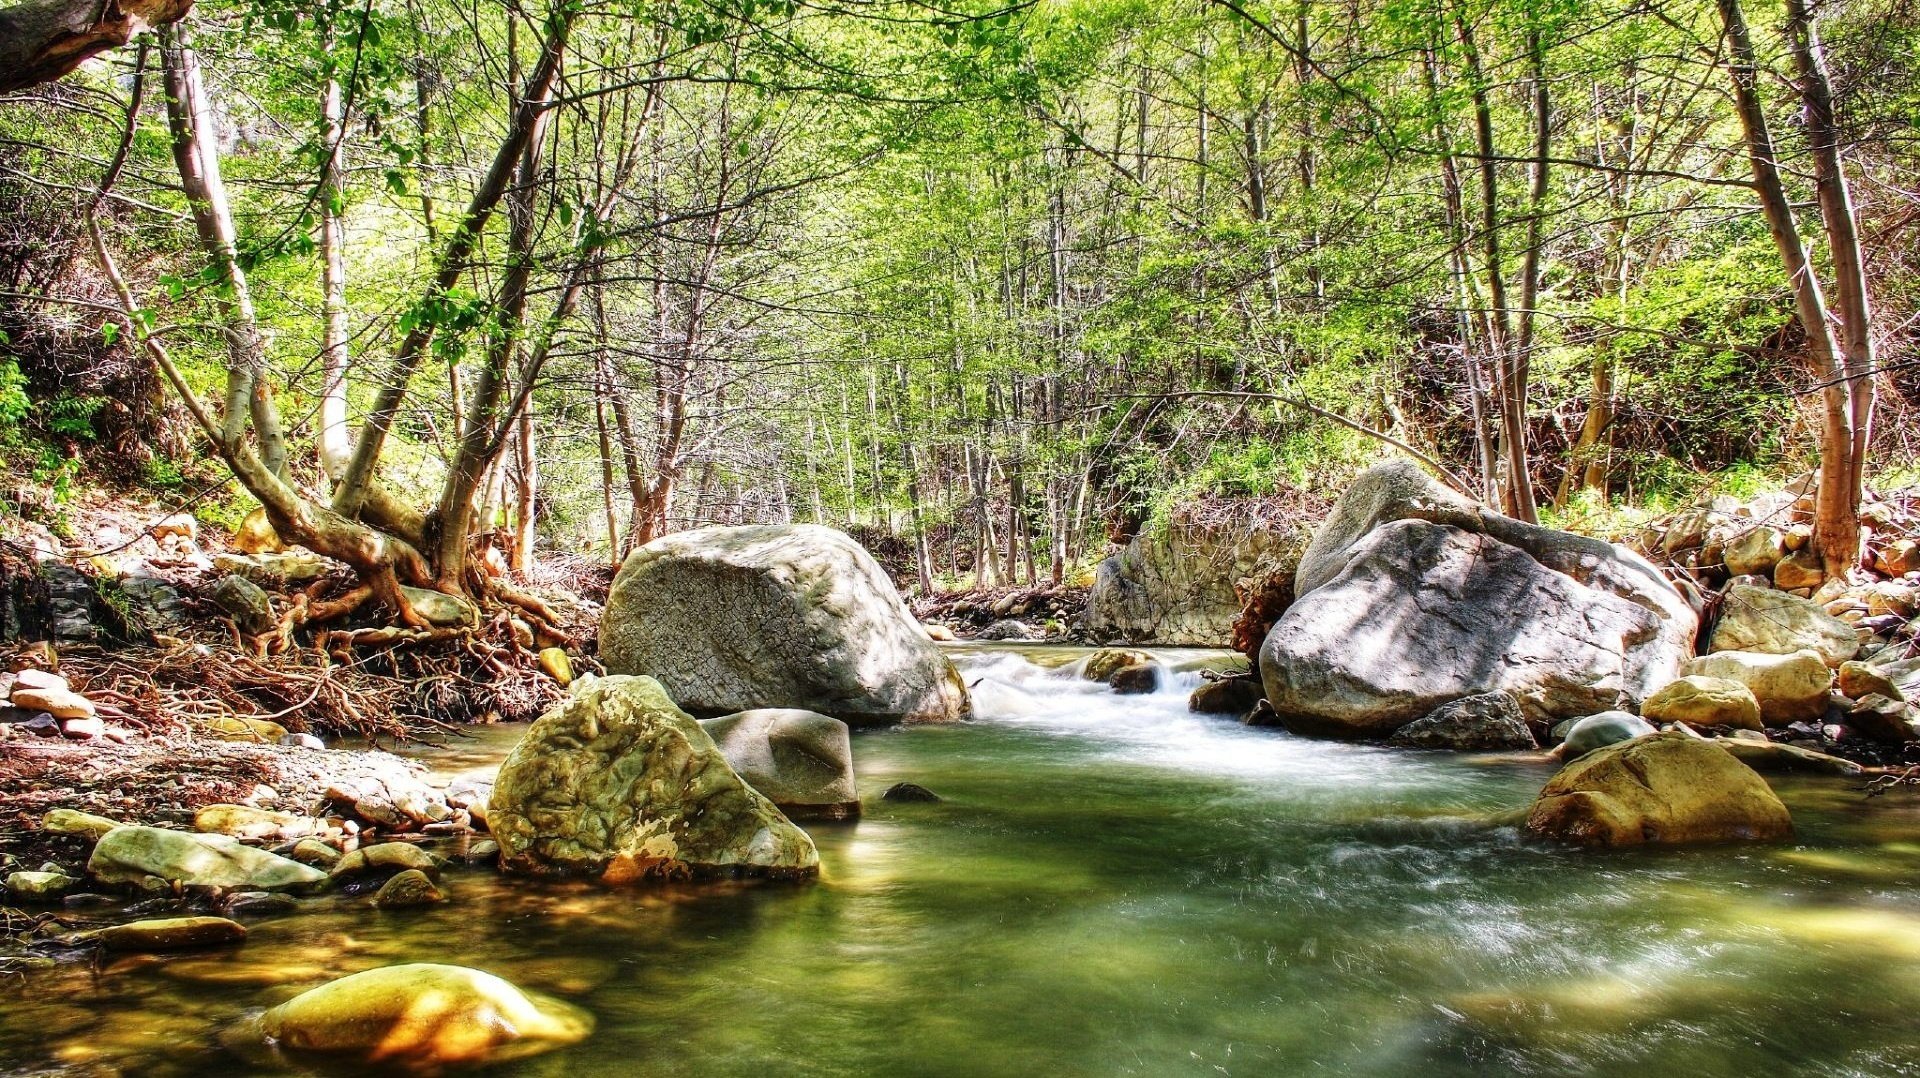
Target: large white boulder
1411 596
735 618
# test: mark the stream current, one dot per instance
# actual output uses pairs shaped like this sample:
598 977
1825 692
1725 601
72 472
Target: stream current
1115 886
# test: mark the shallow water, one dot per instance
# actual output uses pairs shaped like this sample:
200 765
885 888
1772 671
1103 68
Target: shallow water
1114 886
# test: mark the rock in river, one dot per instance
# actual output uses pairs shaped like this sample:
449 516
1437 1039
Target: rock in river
421 1017
135 855
802 761
800 616
1667 789
1412 596
1599 731
1486 721
169 934
618 783
1789 688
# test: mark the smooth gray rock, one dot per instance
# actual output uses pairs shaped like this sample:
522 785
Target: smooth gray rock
736 618
1485 721
1606 728
1176 584
802 761
1412 597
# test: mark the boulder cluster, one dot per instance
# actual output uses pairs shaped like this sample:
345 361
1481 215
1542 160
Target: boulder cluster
1425 620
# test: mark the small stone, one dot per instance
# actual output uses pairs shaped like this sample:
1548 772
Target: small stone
169 934
246 822
1756 551
312 851
82 729
41 725
1858 679
1882 719
1703 701
385 857
558 667
521 632
909 792
1800 569
260 903
60 703
300 741
31 678
481 852
407 889
1103 664
246 603
42 886
176 524
1227 696
1899 557
74 822
1599 731
239 728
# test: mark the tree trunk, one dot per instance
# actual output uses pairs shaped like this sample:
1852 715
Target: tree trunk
42 40
1836 523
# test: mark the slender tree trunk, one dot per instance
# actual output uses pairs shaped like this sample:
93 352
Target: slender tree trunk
1836 524
335 441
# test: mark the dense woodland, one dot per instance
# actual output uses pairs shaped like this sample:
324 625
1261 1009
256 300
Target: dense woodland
1005 282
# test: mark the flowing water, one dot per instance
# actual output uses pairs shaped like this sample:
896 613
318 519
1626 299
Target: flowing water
1114 886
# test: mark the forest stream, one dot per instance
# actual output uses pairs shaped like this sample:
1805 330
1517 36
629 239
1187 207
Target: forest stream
1112 885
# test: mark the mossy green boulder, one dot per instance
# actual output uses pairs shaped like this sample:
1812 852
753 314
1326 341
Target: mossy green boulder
1664 789
135 855
617 783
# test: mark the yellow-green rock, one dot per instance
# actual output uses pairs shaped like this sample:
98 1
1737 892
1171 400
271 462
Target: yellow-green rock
1103 664
238 728
75 822
616 782
420 1016
407 889
1666 789
169 934
385 857
558 667
244 821
132 855
1699 700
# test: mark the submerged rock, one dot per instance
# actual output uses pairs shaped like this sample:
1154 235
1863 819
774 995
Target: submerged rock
408 889
1486 721
421 1016
910 792
135 855
1412 596
168 934
385 858
618 783
735 618
802 761
1773 756
1667 789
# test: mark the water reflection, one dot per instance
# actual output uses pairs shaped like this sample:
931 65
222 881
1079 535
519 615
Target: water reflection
1116 886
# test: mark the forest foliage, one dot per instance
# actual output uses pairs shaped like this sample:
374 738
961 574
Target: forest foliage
1005 280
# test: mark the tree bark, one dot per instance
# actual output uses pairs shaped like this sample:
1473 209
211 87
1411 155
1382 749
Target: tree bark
43 40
